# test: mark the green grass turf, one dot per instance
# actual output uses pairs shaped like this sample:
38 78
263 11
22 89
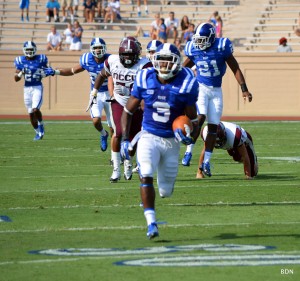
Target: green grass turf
58 196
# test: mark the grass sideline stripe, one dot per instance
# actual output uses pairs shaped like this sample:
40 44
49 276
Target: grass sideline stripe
117 187
143 227
217 204
58 122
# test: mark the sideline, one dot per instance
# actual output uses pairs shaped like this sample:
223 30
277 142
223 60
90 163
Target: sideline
224 118
130 227
218 204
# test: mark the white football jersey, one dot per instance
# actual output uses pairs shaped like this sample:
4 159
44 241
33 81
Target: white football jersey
235 134
123 77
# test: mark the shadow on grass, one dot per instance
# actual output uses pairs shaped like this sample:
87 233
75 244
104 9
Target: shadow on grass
178 240
222 178
228 236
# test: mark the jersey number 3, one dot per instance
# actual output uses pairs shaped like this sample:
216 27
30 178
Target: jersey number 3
162 113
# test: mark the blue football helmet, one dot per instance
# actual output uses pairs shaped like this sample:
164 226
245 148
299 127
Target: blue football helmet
98 47
151 48
204 37
167 61
29 49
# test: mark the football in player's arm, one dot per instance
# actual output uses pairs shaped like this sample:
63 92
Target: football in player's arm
239 145
168 91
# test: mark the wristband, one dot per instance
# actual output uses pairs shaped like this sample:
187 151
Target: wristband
57 72
94 92
244 87
20 74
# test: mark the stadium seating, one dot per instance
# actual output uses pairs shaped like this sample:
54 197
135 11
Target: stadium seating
278 19
13 32
252 25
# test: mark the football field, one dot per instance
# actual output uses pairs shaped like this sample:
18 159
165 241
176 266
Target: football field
61 219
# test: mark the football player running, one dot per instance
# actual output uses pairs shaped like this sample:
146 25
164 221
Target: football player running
238 143
123 69
93 63
167 91
151 48
210 56
33 68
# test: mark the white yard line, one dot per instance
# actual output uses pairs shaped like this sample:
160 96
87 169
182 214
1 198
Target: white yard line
49 260
297 159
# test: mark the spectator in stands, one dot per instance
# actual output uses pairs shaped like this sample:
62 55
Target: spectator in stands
178 44
67 6
76 4
297 30
184 24
140 32
154 27
54 40
162 31
212 19
283 46
112 12
172 24
52 10
76 44
219 26
189 33
100 8
68 35
24 4
139 13
89 10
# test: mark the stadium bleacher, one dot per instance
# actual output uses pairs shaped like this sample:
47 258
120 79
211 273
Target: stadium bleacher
13 32
260 31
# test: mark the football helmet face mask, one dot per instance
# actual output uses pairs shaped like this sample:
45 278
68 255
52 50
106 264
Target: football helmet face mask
129 52
151 48
204 37
221 136
167 61
29 49
98 47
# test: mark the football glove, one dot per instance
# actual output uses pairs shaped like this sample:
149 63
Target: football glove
125 148
186 140
93 99
47 72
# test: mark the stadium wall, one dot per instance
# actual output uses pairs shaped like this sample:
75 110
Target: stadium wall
272 78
